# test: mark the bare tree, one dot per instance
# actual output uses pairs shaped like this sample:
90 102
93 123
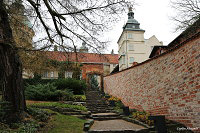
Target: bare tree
69 22
188 11
65 22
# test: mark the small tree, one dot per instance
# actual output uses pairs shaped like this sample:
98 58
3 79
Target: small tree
93 82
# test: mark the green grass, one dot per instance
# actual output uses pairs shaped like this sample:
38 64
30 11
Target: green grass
57 124
60 105
66 124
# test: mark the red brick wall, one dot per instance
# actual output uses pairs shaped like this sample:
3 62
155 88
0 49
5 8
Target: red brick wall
168 85
91 68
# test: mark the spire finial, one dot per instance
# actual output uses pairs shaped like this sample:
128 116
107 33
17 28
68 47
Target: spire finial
130 9
130 13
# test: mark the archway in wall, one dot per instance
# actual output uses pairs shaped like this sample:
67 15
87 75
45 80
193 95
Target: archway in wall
98 76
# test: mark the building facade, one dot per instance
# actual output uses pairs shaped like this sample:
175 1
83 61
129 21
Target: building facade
132 47
91 63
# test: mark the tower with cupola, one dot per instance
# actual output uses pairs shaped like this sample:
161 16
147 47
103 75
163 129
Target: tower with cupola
132 47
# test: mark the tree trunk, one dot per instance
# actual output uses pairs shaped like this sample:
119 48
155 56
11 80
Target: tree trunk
11 82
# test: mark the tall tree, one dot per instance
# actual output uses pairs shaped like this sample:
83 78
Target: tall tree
10 68
188 11
65 22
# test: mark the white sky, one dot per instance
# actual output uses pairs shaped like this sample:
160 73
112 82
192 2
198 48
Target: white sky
154 18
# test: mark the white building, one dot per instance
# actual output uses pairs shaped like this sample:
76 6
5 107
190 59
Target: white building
132 45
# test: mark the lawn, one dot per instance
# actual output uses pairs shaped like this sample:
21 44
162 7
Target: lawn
57 123
66 124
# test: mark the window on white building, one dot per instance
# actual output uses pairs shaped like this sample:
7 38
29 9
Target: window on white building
131 47
68 74
130 36
131 59
45 74
52 74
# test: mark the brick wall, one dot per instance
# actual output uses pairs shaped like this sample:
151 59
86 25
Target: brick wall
167 85
91 68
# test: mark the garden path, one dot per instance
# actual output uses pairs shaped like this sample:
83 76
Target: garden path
105 119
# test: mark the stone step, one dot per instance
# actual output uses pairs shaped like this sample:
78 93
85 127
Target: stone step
99 108
90 108
98 105
117 131
94 100
105 115
101 111
95 109
92 95
106 118
104 106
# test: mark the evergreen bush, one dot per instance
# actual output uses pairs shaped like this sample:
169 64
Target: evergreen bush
77 86
46 92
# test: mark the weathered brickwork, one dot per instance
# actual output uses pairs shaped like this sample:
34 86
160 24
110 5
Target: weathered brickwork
168 85
92 68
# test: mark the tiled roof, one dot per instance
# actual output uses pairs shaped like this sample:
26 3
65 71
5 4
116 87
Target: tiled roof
155 48
83 57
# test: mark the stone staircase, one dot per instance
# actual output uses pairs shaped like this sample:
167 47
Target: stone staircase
105 120
105 116
98 106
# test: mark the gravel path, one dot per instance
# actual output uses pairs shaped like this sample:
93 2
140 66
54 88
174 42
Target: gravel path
117 124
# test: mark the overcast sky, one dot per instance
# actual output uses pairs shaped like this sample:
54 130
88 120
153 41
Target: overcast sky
154 18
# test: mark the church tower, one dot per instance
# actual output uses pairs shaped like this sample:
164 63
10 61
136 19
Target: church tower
132 47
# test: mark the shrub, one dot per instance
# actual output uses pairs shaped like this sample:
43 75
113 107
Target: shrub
114 99
143 117
79 98
59 105
77 86
46 92
38 114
